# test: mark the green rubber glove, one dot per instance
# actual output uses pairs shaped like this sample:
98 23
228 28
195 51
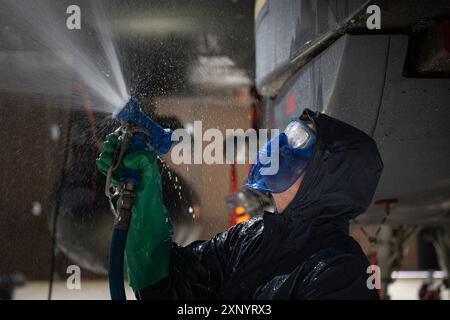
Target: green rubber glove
105 158
149 237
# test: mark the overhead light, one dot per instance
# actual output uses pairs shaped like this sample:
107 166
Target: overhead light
218 71
155 25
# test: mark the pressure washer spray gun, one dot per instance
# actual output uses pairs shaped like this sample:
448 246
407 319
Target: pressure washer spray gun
137 132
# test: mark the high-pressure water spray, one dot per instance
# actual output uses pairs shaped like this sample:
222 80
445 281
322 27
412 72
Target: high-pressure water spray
137 132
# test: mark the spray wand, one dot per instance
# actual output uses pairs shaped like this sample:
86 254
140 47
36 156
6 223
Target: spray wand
137 132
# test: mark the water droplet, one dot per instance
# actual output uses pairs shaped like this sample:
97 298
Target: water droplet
55 132
36 208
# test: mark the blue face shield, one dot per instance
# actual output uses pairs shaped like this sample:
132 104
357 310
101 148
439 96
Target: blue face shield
283 159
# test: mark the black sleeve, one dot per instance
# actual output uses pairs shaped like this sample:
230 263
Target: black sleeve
344 279
195 271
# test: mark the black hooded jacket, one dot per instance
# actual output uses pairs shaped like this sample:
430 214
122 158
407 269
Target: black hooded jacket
303 253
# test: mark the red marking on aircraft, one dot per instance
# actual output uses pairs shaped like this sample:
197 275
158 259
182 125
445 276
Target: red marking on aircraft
290 106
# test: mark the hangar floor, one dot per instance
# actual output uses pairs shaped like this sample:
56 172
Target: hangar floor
402 289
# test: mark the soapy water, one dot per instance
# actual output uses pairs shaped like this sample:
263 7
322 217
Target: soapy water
65 56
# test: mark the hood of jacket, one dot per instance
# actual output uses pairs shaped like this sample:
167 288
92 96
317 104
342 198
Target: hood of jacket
342 176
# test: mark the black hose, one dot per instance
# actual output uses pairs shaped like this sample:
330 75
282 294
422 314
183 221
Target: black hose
119 237
53 256
116 260
56 210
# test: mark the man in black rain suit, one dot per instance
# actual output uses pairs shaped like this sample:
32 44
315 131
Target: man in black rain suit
327 174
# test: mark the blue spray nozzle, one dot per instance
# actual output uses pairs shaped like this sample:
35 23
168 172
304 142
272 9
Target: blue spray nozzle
161 139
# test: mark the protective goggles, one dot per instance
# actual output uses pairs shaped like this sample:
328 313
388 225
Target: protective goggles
283 159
